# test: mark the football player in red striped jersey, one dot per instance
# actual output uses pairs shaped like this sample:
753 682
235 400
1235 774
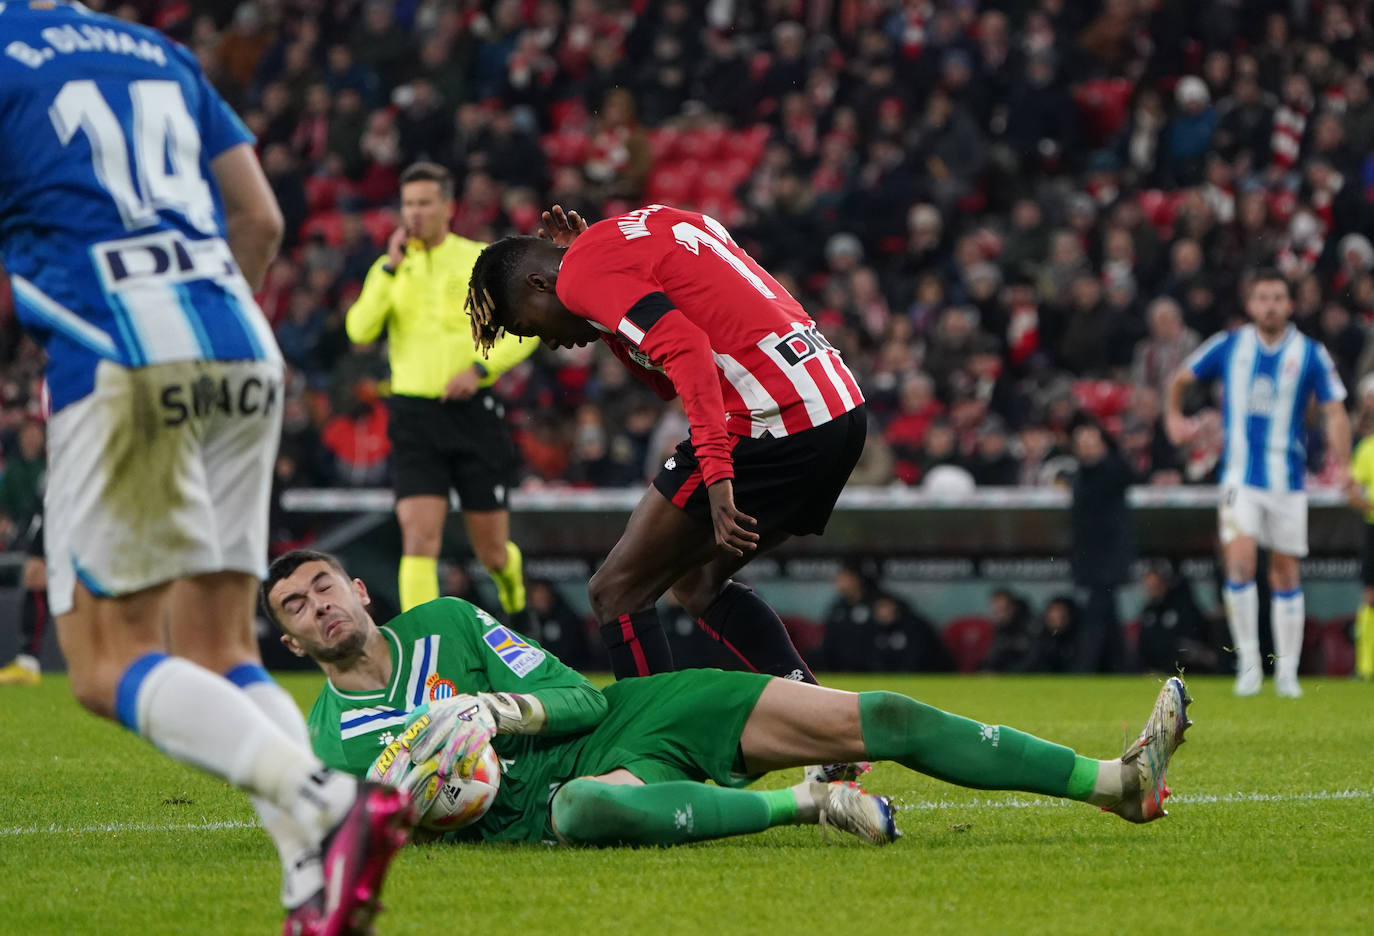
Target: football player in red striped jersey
777 420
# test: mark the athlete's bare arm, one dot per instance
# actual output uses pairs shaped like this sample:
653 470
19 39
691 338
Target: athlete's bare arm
1338 438
253 220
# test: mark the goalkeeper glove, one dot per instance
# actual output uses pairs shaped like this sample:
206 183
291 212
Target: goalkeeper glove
397 767
450 731
515 713
449 734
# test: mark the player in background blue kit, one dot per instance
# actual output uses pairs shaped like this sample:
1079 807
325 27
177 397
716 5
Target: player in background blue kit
134 222
1268 371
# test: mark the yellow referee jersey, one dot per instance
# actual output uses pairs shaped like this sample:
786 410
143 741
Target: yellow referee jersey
1362 470
429 337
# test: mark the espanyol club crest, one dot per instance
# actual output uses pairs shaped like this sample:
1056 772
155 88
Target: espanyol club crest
440 688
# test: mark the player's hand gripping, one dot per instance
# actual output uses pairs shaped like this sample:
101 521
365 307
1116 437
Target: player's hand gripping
562 228
453 734
729 523
397 767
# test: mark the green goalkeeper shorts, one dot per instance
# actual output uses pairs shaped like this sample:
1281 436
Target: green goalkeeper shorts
674 726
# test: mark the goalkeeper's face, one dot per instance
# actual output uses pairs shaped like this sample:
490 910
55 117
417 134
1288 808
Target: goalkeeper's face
322 612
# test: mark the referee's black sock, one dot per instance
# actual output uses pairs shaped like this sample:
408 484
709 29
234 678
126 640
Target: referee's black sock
637 644
33 621
752 631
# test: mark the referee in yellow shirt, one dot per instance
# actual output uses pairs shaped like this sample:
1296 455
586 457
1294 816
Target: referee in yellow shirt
447 429
1361 496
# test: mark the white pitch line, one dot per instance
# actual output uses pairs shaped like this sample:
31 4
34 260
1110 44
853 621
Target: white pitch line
1180 799
55 829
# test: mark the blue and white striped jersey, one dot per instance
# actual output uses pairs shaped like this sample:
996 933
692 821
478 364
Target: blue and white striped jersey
1264 397
111 224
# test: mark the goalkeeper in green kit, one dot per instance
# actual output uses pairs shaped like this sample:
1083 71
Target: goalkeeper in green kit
627 764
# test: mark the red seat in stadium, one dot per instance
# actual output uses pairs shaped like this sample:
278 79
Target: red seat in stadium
715 181
321 193
1105 399
565 147
567 112
704 144
380 222
722 206
615 207
968 640
326 224
747 144
672 184
663 142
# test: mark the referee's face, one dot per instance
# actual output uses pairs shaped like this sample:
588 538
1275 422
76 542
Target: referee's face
425 211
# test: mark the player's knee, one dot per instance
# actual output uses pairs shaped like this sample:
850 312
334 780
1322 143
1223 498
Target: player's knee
891 715
492 555
1283 573
690 598
584 812
420 537
695 594
417 543
606 594
93 687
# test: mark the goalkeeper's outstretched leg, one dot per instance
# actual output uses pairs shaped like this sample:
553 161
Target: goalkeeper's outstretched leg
795 723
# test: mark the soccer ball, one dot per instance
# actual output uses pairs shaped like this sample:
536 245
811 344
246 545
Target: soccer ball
463 800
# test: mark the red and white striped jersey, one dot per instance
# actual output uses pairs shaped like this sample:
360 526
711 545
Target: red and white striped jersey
678 298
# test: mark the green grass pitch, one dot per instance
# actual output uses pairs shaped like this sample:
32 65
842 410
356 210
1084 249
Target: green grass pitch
1270 831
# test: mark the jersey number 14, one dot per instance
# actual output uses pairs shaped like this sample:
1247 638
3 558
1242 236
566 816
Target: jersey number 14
166 151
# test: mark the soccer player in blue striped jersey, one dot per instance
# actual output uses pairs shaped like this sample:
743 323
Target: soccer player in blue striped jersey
134 223
1268 373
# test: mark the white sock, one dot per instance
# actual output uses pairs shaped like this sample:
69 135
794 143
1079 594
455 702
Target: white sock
1289 617
302 872
202 719
808 810
1110 785
1242 614
28 661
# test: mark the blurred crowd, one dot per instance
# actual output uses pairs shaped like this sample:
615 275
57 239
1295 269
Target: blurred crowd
1005 214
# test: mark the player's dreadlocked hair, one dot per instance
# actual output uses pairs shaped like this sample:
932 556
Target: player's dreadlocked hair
488 302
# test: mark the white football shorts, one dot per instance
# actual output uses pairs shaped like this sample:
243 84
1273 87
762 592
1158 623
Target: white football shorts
160 473
1276 520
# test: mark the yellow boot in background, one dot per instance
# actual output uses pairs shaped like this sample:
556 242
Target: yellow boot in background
510 580
22 671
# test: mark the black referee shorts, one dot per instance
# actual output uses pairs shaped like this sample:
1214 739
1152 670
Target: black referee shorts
438 445
789 483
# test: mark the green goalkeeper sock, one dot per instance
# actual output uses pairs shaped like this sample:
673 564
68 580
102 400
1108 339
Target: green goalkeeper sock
968 753
589 812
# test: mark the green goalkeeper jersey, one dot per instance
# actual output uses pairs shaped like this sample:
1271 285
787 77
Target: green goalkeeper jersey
447 647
